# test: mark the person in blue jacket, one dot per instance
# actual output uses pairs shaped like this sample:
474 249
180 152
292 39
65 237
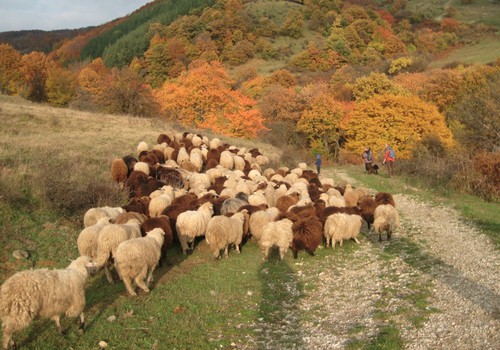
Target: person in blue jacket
318 163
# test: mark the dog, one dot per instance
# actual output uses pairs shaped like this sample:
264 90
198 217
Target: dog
373 169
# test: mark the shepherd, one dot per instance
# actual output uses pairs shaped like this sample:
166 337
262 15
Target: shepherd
389 157
318 163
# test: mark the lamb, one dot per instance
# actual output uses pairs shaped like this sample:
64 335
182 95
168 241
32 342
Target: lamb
108 240
87 239
94 214
223 231
193 223
43 293
307 235
386 219
137 258
259 219
341 226
277 233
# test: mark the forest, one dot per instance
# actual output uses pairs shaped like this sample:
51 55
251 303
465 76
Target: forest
328 77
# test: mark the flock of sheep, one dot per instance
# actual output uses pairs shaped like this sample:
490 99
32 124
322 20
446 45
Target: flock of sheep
184 187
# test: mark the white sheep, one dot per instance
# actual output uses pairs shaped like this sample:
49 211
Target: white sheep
339 227
277 233
137 258
227 160
142 166
159 203
94 214
239 163
182 155
257 198
142 147
223 231
259 219
87 239
197 141
196 158
193 223
43 293
108 240
386 218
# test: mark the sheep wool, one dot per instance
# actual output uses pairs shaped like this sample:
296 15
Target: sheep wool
137 258
279 234
87 239
386 218
42 293
260 219
339 227
94 214
193 223
223 231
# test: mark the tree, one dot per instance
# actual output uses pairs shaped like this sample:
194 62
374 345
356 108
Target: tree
34 68
374 84
321 122
292 25
203 97
10 63
61 86
401 121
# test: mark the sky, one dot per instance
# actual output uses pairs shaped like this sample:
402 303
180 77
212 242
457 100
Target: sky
62 14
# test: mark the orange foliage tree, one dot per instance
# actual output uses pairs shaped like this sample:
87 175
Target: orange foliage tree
34 68
401 121
10 75
203 97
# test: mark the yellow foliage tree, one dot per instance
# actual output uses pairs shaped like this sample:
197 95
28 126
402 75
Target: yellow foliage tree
401 121
10 63
61 86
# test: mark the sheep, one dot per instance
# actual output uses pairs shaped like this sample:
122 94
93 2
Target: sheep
341 226
277 233
307 235
137 258
124 217
162 222
196 158
386 218
142 166
193 223
385 198
119 171
141 147
285 202
259 219
87 239
130 162
227 160
223 231
350 196
108 239
367 207
232 205
138 205
239 163
45 293
92 215
158 204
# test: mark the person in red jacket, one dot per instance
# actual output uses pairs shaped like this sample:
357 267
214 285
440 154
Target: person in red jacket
389 157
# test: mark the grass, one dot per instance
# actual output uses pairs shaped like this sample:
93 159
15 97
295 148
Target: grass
485 51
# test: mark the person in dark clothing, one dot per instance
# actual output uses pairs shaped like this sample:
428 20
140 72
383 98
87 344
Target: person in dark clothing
318 163
368 159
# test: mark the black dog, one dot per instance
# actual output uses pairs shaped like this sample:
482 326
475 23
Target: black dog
373 169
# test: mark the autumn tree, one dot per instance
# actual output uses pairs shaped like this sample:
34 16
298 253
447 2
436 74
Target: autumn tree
203 96
91 85
374 84
61 86
10 63
320 122
401 121
34 70
292 25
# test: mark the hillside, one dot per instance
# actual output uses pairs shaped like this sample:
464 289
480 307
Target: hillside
435 282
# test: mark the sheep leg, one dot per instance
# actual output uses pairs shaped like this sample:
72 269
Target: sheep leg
150 277
295 253
226 251
81 323
139 280
380 237
266 253
128 285
57 320
7 339
108 273
282 253
356 240
389 234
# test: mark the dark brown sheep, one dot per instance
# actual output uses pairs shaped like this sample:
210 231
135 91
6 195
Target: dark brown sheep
163 138
170 177
213 154
119 172
162 222
211 163
138 205
385 198
307 235
324 212
130 161
367 205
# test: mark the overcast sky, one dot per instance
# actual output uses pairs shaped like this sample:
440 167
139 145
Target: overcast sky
62 14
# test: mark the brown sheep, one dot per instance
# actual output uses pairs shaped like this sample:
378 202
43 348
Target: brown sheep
162 222
124 217
307 235
385 198
324 212
163 138
130 161
367 205
211 163
138 205
213 154
119 171
285 202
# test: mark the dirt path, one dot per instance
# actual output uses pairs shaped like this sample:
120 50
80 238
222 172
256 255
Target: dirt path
435 285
